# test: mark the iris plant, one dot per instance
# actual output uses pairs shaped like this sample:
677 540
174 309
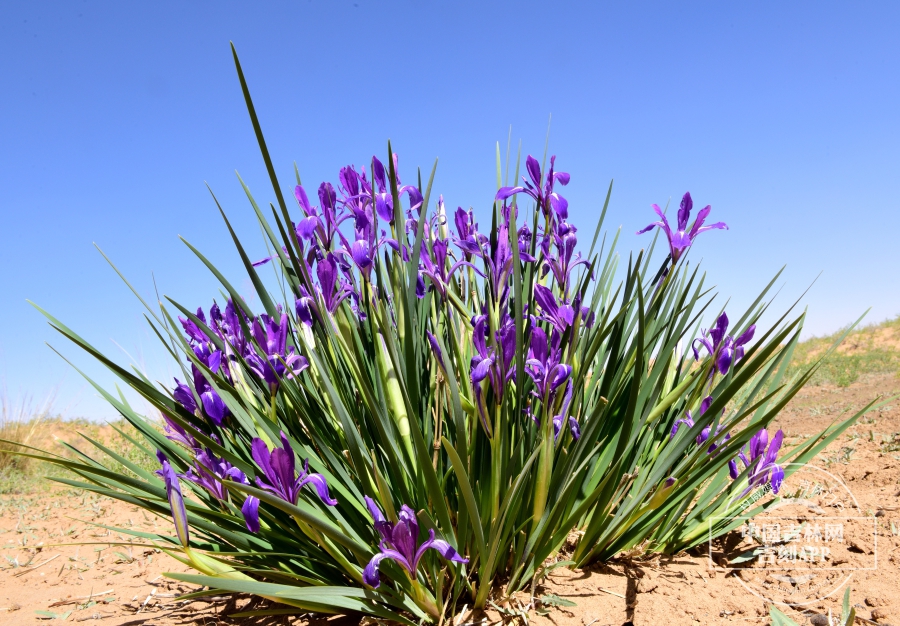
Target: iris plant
409 354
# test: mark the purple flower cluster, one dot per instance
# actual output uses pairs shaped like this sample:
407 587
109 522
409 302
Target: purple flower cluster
549 374
279 476
340 265
265 351
552 248
341 242
338 260
761 460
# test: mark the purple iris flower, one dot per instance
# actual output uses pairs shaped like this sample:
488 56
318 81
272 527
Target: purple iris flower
361 251
524 237
543 364
724 349
327 271
305 307
468 239
574 427
356 196
332 291
434 262
498 260
682 238
541 190
176 500
192 330
174 431
309 225
560 314
228 327
400 542
761 462
280 475
280 361
384 201
183 396
701 438
687 420
209 471
213 407
486 364
563 260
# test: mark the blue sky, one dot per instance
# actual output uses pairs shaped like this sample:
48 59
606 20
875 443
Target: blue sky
783 118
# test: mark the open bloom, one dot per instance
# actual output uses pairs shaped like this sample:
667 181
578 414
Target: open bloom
400 542
544 364
763 455
560 314
724 349
176 500
174 432
469 240
541 189
280 361
435 265
213 407
209 471
280 477
681 239
558 248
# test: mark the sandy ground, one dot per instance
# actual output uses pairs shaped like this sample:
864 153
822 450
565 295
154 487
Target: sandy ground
58 564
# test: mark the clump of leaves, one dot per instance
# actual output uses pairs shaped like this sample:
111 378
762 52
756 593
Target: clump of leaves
425 407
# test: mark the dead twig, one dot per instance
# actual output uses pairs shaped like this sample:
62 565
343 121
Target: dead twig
31 569
76 599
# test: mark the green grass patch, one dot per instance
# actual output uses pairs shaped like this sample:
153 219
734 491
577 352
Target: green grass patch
869 350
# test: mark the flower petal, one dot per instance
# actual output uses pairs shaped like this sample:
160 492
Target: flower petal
318 481
774 447
251 513
684 213
733 469
371 575
505 192
534 170
777 478
746 336
213 406
575 428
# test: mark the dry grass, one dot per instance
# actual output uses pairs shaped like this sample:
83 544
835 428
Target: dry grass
36 425
21 422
